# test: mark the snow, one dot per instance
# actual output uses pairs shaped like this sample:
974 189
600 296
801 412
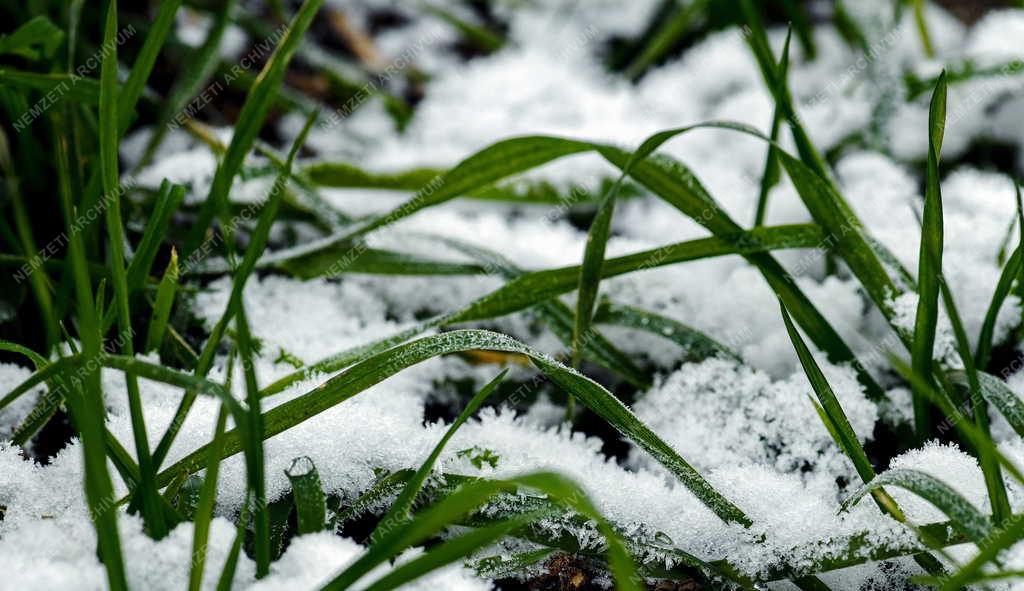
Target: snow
11 415
985 42
710 412
950 465
193 27
312 559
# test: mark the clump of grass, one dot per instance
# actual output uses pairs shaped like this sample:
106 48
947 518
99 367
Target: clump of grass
106 281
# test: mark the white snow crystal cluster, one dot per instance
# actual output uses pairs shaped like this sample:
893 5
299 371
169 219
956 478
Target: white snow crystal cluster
12 415
721 413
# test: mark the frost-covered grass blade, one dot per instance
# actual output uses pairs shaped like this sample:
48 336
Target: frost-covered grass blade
962 514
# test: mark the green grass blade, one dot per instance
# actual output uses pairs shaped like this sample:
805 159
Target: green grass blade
1001 539
930 262
45 373
477 35
257 244
696 345
671 30
595 346
990 577
168 200
64 87
506 566
254 460
862 253
109 164
227 574
922 29
170 376
800 20
38 360
53 264
848 439
495 162
996 393
597 240
531 288
838 425
401 509
960 71
757 39
371 371
46 407
815 186
559 319
966 428
426 524
989 464
534 288
308 494
771 173
847 235
37 31
451 551
158 373
342 175
590 271
165 293
38 279
377 495
674 183
937 116
144 61
86 403
343 359
101 294
205 505
964 516
203 64
74 26
835 419
39 416
1012 271
250 120
342 259
462 501
108 155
